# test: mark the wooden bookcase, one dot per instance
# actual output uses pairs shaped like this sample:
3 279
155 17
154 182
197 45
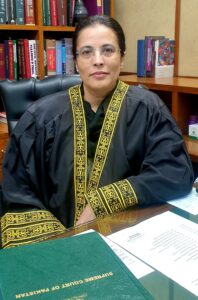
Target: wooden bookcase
39 32
180 95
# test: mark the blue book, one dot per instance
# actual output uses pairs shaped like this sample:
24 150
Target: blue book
141 58
58 57
19 12
63 57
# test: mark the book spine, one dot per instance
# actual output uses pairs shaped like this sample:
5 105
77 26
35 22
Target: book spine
19 12
29 12
27 58
47 12
51 56
23 63
106 7
63 57
58 57
54 13
15 60
70 66
12 12
91 7
140 58
70 12
2 62
2 12
10 60
99 7
19 59
62 12
44 12
7 11
33 61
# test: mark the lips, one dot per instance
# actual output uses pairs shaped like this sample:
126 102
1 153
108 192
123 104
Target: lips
99 74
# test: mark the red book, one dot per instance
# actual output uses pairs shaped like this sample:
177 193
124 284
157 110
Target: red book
62 12
23 67
54 12
10 60
29 11
51 56
2 62
27 58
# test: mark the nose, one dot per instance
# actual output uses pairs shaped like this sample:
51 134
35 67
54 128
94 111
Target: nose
98 58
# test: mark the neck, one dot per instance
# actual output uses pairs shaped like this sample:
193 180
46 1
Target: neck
95 97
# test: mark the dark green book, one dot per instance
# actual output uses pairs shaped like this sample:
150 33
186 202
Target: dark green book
79 267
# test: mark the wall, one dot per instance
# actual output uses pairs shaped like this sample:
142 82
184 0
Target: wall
157 17
188 42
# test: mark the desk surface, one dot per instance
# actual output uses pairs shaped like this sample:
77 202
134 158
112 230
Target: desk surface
160 286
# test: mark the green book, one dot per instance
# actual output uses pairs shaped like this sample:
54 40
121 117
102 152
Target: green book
79 267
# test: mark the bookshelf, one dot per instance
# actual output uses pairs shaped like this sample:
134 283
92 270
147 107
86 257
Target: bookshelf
180 95
40 32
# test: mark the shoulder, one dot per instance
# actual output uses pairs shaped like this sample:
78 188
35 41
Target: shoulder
141 95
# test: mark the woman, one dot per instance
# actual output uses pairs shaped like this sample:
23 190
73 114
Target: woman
99 148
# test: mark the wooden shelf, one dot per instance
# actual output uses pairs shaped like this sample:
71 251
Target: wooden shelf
39 32
180 95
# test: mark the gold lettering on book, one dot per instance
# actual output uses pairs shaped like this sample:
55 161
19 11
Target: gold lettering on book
63 285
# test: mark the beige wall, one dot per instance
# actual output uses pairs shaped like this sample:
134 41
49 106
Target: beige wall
157 17
188 48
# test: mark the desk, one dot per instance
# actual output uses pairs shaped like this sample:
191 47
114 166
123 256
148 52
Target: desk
161 287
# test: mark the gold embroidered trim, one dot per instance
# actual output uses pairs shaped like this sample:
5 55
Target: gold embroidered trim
27 227
112 198
107 134
80 144
80 150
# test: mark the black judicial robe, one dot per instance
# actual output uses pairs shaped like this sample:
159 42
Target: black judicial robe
141 159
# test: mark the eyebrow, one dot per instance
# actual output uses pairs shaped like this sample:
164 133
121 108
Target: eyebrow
104 45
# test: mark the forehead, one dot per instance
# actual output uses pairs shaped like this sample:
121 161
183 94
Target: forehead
97 34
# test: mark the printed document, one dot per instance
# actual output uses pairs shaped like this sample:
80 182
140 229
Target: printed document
168 243
188 203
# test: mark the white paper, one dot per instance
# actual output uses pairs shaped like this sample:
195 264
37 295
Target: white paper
136 266
168 243
188 203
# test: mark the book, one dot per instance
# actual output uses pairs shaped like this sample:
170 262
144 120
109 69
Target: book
2 62
164 58
46 13
51 56
70 65
27 58
140 58
33 58
58 57
70 12
2 12
29 12
10 60
94 7
62 12
15 60
78 267
19 12
54 12
106 7
12 12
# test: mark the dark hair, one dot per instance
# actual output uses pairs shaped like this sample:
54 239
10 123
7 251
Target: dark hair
103 20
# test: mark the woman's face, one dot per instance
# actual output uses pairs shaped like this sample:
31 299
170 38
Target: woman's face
99 59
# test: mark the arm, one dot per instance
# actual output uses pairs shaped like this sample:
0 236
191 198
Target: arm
25 217
155 150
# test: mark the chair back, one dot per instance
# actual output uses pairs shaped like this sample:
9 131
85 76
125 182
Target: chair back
17 96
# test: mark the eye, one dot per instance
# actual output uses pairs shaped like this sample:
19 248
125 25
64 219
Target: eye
108 50
86 52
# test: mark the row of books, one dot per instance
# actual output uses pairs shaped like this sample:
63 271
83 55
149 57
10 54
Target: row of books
58 57
18 59
155 57
18 12
61 12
